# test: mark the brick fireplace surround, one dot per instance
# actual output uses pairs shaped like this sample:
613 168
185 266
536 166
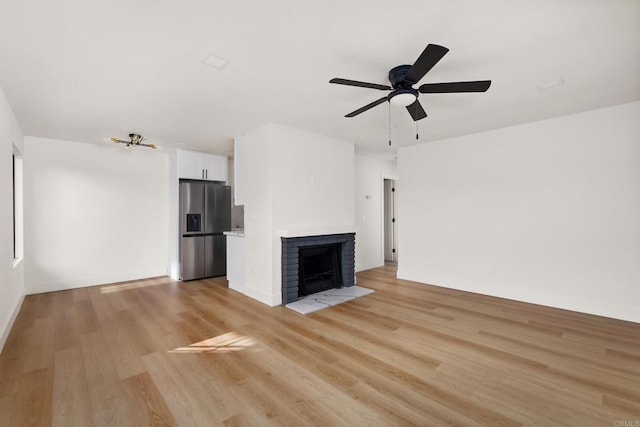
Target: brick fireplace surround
290 260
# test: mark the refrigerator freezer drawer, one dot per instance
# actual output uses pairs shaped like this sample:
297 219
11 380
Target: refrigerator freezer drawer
192 263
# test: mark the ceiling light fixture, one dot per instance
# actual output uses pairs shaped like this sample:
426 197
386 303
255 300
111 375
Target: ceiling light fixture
403 97
136 141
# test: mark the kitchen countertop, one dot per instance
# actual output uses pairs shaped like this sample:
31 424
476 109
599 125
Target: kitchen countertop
237 233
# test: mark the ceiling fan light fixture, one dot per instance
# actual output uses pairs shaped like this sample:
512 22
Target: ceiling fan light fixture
403 97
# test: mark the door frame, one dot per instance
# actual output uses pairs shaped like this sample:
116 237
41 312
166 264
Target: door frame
382 215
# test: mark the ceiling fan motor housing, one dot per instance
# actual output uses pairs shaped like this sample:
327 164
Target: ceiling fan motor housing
397 77
403 94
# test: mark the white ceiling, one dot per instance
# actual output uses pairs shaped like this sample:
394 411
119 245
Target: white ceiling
83 70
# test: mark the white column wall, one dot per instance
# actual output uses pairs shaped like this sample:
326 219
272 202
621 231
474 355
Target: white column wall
294 179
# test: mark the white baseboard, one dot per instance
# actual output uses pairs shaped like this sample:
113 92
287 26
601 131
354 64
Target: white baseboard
6 329
257 295
566 302
83 282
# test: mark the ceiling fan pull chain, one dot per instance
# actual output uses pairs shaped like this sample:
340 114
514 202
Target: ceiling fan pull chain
417 130
389 124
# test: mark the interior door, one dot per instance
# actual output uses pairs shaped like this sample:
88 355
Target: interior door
390 221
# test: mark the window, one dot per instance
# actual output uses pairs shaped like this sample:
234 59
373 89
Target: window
13 171
16 168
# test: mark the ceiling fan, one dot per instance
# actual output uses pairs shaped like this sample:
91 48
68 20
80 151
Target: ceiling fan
402 79
135 141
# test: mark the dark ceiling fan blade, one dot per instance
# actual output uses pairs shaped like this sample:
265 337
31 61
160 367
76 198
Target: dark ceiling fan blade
416 111
366 107
425 62
456 87
359 84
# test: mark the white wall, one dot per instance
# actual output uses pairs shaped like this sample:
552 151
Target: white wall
547 212
258 213
369 206
11 273
173 232
295 180
94 214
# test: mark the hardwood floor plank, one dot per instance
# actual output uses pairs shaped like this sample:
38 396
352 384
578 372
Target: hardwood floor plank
162 352
71 405
6 406
108 400
185 395
86 316
33 401
66 329
41 347
117 334
12 361
148 402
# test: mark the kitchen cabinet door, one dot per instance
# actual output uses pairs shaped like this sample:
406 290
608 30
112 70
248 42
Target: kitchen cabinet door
205 166
191 165
215 167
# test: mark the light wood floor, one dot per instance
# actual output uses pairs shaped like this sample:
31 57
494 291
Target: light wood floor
165 353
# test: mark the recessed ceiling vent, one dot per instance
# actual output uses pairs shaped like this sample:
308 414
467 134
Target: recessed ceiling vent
216 62
549 84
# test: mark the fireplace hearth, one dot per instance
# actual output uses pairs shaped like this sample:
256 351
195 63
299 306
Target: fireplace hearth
313 264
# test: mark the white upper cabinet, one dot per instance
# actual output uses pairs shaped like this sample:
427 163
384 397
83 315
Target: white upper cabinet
190 165
216 167
204 166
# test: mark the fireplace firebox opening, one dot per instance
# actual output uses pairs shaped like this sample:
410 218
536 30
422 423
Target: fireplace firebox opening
294 247
319 269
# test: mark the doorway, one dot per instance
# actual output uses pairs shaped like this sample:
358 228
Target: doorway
390 221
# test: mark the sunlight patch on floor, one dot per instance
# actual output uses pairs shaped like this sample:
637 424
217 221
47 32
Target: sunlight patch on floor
225 343
126 286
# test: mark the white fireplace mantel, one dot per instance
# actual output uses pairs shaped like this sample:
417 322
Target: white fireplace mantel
316 231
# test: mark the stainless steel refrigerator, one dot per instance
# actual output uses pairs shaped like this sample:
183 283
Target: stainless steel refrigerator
205 213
